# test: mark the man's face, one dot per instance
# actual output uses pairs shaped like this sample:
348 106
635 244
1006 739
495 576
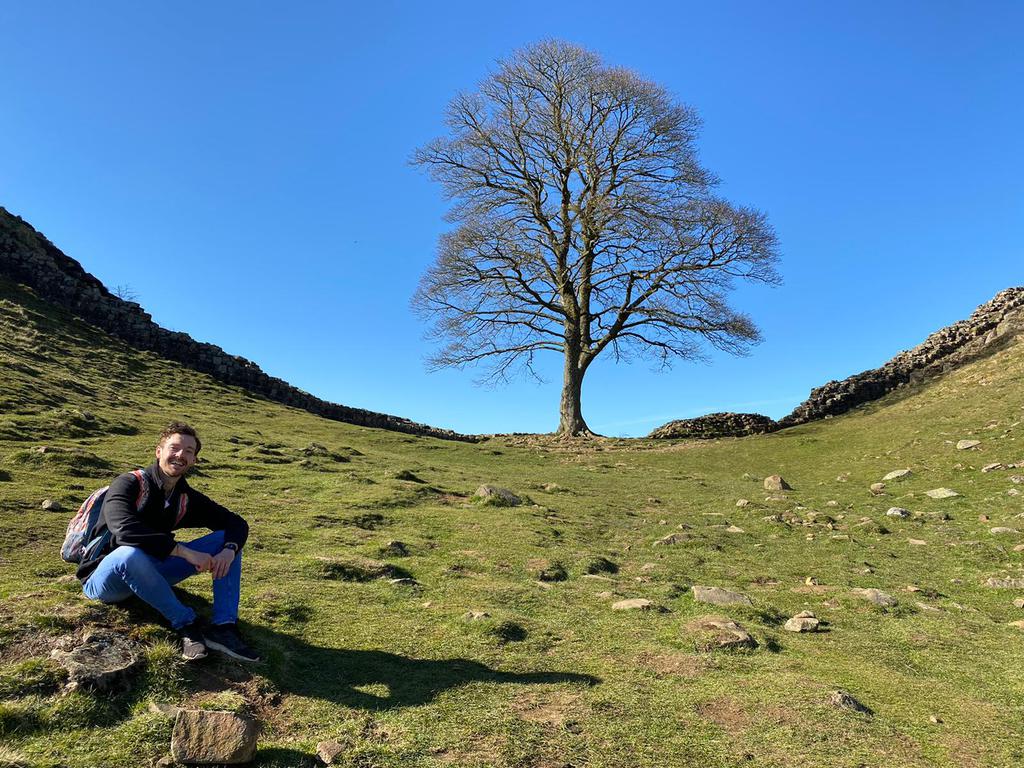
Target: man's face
176 455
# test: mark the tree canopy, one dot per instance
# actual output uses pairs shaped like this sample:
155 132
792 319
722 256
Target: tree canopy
584 224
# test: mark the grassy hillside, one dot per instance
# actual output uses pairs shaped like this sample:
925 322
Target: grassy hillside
552 677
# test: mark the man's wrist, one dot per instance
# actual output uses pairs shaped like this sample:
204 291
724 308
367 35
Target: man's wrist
231 546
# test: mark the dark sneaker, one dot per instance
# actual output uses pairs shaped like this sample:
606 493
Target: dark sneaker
193 646
225 638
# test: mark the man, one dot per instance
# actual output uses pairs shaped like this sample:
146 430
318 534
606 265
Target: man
141 557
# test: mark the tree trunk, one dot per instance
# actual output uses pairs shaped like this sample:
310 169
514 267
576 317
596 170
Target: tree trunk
571 423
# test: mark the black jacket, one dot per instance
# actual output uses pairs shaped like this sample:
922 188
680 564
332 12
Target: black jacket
150 528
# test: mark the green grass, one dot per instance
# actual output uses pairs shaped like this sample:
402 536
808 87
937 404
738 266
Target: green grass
551 676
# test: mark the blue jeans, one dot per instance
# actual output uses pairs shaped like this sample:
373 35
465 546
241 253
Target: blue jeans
129 571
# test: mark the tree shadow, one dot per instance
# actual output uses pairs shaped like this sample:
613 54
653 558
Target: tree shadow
377 680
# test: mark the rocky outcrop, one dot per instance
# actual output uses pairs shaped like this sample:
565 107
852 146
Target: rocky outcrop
986 331
715 425
27 257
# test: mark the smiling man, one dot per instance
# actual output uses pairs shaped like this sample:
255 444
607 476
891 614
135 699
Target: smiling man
133 551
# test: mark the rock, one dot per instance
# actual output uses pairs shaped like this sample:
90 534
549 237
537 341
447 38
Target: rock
404 581
1019 602
718 596
634 604
842 477
993 467
672 538
213 737
805 621
1013 492
475 615
897 512
551 487
52 506
897 474
966 445
743 502
1017 479
1001 530
843 700
715 425
734 529
1019 624
917 542
877 488
776 483
934 719
720 633
500 496
996 583
941 493
331 752
831 503
99 660
876 596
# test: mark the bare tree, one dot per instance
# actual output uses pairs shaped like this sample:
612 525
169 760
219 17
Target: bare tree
585 224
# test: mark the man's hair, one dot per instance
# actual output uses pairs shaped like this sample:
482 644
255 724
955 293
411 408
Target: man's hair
180 428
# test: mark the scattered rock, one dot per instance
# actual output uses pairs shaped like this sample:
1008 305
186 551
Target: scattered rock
842 477
831 503
734 529
404 581
500 496
805 621
718 596
996 583
1001 530
897 474
715 425
720 633
1019 624
898 512
1019 602
941 493
1017 479
843 700
776 483
743 502
966 445
917 542
877 488
672 538
876 596
331 752
51 505
934 719
633 604
993 467
99 660
213 737
551 487
475 615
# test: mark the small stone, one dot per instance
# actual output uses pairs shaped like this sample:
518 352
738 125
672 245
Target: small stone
720 633
551 487
1001 530
1017 479
1019 602
876 596
331 752
805 621
941 493
718 596
776 483
1019 624
927 608
983 518
475 615
917 542
213 737
734 529
404 581
742 502
843 477
1013 492
499 496
966 445
50 505
671 539
913 588
993 467
633 604
934 719
844 700
897 474
810 581
832 503
897 512
877 488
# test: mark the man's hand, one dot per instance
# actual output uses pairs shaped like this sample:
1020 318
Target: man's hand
202 561
220 563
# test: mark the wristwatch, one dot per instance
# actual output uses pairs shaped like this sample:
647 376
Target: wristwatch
232 546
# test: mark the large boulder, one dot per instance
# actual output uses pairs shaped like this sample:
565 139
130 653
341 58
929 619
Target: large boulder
210 738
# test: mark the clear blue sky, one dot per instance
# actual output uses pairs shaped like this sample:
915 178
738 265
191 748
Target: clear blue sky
242 166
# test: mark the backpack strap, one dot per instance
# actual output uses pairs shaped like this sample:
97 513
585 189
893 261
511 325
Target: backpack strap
182 508
143 497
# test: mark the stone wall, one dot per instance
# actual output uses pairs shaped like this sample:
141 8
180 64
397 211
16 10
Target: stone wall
987 330
715 425
27 257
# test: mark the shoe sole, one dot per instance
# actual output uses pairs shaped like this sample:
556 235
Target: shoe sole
227 651
193 658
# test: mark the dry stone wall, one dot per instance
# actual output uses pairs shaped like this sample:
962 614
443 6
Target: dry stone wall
715 425
27 257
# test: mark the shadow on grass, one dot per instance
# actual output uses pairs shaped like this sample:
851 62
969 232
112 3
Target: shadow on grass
378 680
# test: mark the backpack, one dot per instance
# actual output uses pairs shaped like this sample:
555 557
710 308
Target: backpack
75 548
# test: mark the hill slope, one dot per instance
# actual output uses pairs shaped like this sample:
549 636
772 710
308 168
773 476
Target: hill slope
552 676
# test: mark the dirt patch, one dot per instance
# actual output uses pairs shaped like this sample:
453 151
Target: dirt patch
725 712
552 708
683 665
477 750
